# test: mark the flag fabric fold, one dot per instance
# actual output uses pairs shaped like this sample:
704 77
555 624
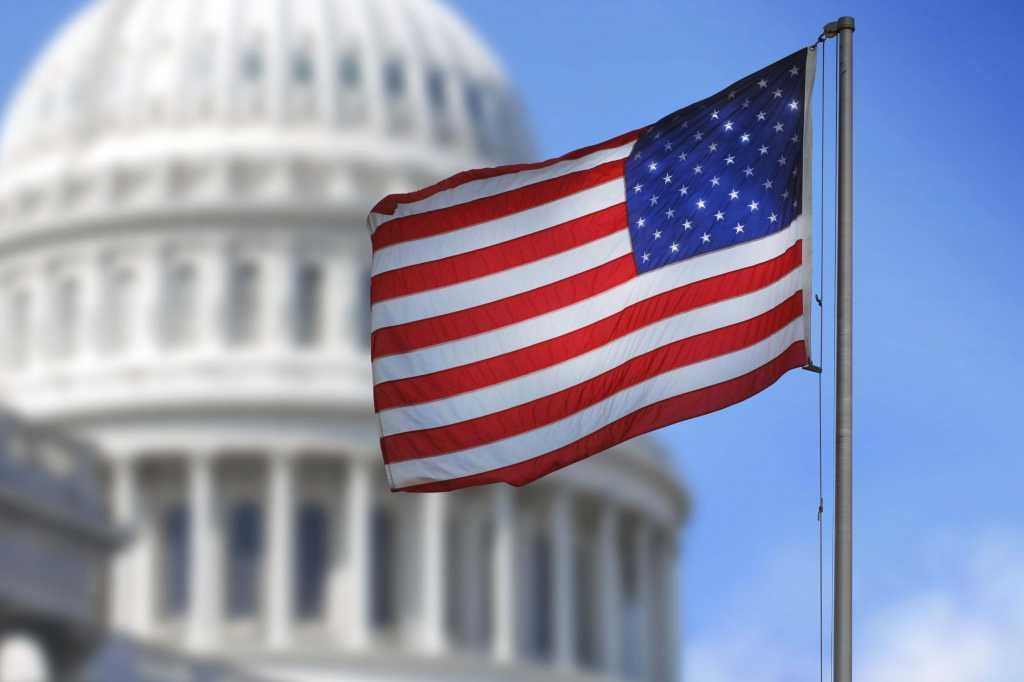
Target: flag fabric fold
526 317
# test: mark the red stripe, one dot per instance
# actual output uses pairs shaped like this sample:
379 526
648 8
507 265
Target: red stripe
482 318
449 219
388 204
561 404
547 353
669 411
491 259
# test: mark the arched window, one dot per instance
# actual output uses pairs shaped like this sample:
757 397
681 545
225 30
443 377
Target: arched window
436 91
115 332
394 79
243 304
179 315
312 558
18 321
384 587
244 559
68 318
175 532
309 305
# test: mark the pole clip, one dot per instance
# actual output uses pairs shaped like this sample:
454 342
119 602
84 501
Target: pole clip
811 367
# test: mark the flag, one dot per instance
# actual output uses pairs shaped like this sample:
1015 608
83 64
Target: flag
526 317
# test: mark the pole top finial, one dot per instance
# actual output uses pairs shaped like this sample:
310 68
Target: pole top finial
833 28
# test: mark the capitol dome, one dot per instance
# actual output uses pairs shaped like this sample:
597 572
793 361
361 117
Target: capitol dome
184 282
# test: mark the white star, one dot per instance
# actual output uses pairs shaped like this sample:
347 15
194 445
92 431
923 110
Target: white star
762 83
728 125
763 149
761 116
738 228
646 257
682 156
793 105
713 146
777 94
719 215
653 166
714 114
700 203
778 127
654 200
782 160
687 225
732 94
748 171
668 146
794 71
667 178
729 160
795 204
753 205
785 194
698 136
698 169
686 124
772 217
715 181
705 238
734 194
746 103
745 137
641 222
767 184
674 246
795 137
637 187
671 213
657 234
684 190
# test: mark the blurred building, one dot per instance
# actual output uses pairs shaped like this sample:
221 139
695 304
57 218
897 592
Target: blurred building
183 282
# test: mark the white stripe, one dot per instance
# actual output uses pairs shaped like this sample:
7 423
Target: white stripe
501 229
503 284
488 187
581 368
539 441
564 320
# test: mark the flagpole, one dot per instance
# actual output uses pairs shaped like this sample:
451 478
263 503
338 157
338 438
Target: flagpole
842 662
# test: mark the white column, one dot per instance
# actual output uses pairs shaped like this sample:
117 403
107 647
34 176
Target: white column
213 299
434 518
144 334
644 600
563 557
205 599
504 594
281 552
90 279
670 587
39 336
359 504
276 333
125 503
609 590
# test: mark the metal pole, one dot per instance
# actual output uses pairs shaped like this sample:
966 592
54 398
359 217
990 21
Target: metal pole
843 589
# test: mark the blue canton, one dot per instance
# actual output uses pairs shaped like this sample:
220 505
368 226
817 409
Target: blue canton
720 172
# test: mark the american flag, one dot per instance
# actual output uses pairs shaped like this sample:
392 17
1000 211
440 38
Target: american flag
526 317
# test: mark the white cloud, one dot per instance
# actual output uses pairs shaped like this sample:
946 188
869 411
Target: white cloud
962 622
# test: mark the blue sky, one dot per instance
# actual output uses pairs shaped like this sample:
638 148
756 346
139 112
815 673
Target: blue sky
939 523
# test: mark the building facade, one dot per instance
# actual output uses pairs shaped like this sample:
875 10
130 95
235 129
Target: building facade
183 282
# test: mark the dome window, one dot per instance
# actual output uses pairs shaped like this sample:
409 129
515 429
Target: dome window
245 559
349 71
180 306
243 309
394 79
175 563
313 554
436 91
116 332
302 68
309 295
67 312
252 65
